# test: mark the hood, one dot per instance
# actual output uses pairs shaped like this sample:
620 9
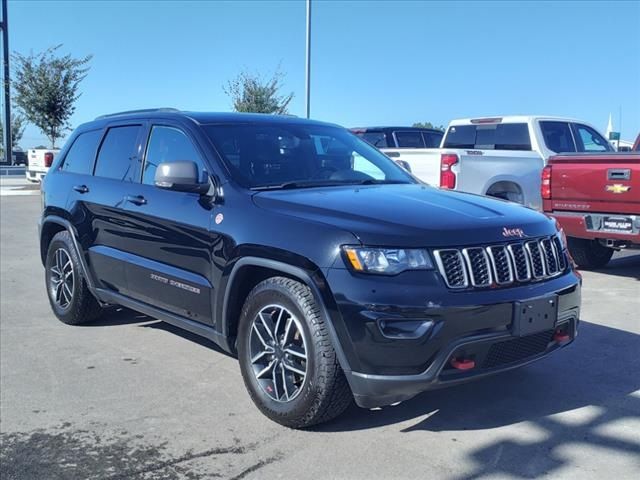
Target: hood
409 215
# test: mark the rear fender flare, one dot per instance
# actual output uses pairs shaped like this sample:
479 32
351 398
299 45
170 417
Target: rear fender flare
74 238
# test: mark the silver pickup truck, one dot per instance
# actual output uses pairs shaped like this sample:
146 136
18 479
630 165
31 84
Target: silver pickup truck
499 156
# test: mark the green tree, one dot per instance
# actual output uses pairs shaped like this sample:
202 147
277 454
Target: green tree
428 125
17 130
46 89
251 92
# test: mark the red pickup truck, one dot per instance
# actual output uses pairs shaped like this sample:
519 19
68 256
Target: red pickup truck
596 199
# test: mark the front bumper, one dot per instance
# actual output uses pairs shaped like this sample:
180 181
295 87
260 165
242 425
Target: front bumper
475 324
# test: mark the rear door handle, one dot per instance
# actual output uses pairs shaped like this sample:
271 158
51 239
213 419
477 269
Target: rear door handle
81 188
136 199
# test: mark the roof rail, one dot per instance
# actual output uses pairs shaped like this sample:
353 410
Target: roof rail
144 110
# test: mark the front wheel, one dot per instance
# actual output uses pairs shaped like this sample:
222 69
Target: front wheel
288 363
589 253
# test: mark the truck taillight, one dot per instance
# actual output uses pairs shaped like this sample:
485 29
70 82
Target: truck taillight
48 159
545 184
447 175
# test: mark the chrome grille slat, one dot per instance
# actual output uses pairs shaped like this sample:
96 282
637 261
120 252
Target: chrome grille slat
502 264
551 261
478 266
452 267
520 260
535 256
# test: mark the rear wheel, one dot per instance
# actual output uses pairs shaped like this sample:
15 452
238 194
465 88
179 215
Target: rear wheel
68 293
589 253
287 361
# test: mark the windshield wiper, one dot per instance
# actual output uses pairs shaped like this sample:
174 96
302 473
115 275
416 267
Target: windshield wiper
327 183
373 181
301 184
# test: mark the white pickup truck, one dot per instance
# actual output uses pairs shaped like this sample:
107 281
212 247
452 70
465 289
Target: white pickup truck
499 156
38 162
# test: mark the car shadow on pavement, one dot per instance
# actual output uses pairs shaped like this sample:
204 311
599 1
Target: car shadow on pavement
598 373
627 266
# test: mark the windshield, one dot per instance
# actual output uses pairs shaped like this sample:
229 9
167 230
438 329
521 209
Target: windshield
299 155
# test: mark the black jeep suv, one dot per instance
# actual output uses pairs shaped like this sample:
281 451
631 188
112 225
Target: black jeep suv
331 272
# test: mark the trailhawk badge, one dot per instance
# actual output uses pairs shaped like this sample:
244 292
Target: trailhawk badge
513 232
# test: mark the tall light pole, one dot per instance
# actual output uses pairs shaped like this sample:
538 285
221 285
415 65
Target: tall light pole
308 63
7 87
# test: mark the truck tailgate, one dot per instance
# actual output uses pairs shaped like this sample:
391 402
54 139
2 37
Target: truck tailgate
596 182
424 162
36 160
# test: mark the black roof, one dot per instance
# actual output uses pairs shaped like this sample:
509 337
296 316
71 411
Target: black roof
209 117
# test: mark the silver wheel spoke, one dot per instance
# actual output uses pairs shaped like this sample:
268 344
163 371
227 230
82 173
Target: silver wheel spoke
260 337
266 369
295 353
287 331
267 328
259 355
284 384
67 292
274 379
291 368
275 330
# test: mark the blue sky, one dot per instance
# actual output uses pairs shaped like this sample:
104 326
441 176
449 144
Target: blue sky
373 62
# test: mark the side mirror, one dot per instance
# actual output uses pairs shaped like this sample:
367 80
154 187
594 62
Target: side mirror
180 176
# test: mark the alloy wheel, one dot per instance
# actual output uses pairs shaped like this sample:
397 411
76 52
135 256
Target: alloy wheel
278 353
61 281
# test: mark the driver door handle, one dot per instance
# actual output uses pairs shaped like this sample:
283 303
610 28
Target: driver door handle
136 199
81 188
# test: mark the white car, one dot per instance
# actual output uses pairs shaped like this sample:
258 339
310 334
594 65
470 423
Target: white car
38 162
500 156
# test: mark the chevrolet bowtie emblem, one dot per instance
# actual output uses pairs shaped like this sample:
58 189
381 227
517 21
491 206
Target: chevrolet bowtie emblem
617 188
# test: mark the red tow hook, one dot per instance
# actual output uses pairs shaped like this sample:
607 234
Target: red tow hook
561 337
463 363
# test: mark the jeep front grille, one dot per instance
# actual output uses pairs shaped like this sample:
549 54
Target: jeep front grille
501 265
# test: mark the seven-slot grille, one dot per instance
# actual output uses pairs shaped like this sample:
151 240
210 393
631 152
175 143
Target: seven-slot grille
501 264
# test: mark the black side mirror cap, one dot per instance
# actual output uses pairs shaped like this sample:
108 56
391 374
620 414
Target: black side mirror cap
180 176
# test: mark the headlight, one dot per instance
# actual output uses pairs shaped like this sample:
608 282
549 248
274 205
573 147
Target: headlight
386 261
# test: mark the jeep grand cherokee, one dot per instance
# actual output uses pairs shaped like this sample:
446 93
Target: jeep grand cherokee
331 272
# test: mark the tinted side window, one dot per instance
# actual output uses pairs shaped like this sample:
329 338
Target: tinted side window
460 136
557 136
168 144
501 136
589 140
409 139
115 159
432 139
80 157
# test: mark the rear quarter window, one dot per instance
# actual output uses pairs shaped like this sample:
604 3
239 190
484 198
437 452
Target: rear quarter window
376 138
557 136
80 157
408 139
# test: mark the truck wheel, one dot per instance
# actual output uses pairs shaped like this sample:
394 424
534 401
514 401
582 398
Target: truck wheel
589 253
288 363
69 296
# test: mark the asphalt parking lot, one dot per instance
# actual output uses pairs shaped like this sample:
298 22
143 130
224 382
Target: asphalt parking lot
132 397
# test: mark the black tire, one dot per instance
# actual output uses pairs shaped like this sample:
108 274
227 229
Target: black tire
82 306
324 393
589 253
